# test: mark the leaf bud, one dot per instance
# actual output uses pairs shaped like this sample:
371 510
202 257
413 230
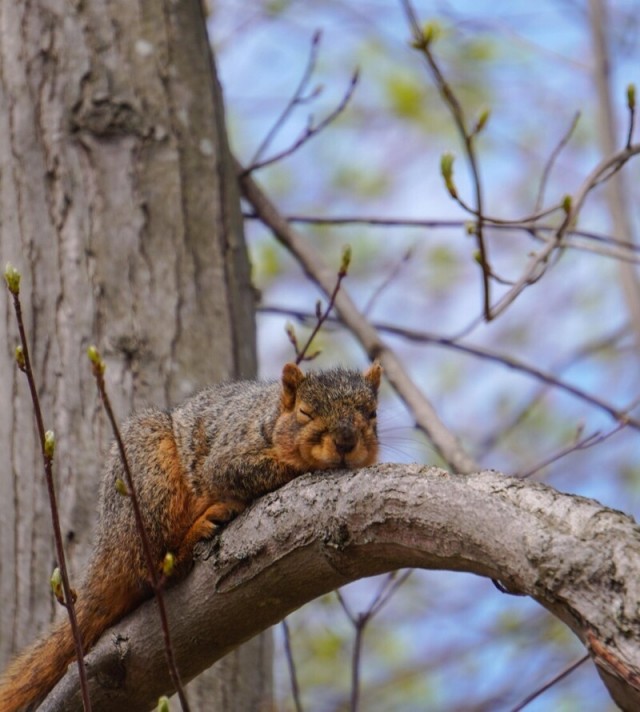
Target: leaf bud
49 444
12 278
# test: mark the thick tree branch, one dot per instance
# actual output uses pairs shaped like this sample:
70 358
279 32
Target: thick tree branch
575 557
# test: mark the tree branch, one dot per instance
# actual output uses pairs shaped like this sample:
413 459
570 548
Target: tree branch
577 558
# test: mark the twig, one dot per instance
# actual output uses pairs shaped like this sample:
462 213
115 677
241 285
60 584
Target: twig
540 262
619 415
311 130
360 621
589 349
620 249
584 443
388 280
157 582
422 43
295 688
560 676
47 445
321 316
295 100
314 266
552 159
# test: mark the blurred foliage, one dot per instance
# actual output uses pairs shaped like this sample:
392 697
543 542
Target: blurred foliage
445 641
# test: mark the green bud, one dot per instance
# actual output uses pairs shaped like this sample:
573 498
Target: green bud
471 227
99 365
482 121
631 96
49 444
430 32
290 331
346 260
121 487
20 360
446 168
12 278
566 204
163 704
56 585
168 564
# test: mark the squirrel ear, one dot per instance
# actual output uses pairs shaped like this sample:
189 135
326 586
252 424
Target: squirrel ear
373 374
292 377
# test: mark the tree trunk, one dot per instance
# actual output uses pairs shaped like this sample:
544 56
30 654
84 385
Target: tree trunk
119 207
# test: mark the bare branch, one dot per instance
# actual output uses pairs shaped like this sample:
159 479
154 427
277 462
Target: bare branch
540 262
606 245
552 160
295 688
47 445
311 130
157 581
295 100
578 559
555 679
422 43
621 416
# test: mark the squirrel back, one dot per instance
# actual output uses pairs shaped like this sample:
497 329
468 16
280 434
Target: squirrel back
194 469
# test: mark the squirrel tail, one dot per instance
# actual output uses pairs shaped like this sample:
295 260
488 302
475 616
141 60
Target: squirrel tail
35 672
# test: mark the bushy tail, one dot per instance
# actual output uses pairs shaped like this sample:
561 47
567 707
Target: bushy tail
34 673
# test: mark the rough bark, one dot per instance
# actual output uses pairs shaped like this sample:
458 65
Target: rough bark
575 557
118 204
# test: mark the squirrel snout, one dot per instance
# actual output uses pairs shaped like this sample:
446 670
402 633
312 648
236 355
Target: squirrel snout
345 438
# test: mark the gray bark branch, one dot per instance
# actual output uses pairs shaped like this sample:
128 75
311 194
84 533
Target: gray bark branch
575 557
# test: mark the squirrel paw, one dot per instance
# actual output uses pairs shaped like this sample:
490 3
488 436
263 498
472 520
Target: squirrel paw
210 522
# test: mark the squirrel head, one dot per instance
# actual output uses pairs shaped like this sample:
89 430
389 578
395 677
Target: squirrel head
328 418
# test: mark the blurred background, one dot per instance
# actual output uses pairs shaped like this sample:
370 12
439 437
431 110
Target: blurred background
553 75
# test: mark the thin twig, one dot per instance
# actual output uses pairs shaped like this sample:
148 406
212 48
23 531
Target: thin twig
619 415
157 582
418 223
295 688
388 280
322 316
589 349
540 262
388 587
295 100
583 443
311 130
422 43
552 160
24 362
560 676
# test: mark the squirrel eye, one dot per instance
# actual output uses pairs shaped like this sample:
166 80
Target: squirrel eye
306 414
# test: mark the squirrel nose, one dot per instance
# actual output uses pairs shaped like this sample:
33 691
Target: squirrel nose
345 438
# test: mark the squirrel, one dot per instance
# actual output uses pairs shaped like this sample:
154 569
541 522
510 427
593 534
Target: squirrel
194 469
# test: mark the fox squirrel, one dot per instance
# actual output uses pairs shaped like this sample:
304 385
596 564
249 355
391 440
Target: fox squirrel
196 468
